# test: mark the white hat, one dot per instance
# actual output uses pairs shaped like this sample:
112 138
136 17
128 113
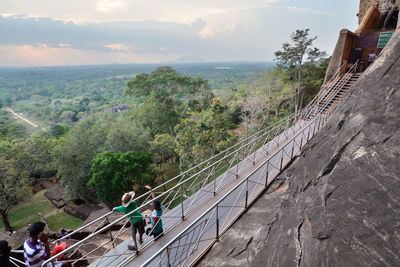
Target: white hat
126 204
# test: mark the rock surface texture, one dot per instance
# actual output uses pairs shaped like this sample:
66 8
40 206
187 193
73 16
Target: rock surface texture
338 204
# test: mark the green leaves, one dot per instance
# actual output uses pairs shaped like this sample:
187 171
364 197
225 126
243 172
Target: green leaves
167 97
198 140
14 173
115 173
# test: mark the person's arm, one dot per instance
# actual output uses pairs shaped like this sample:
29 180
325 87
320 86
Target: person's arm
151 191
119 209
45 240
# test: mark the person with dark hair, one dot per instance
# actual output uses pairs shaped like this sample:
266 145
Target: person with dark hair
129 204
5 250
155 220
36 247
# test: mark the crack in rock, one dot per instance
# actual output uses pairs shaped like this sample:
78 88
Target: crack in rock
247 245
332 163
299 247
329 195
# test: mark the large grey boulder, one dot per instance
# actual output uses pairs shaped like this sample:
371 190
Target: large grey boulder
338 204
57 196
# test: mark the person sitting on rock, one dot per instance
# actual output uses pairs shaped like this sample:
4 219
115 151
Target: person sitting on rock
136 219
155 220
5 250
36 247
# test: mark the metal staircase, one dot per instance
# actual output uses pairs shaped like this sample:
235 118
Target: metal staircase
204 201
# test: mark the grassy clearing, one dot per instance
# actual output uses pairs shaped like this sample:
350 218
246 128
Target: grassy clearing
63 220
23 213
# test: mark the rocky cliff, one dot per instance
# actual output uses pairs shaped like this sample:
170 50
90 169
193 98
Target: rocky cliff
338 204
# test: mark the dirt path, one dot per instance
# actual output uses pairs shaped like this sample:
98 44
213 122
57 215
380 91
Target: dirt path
22 118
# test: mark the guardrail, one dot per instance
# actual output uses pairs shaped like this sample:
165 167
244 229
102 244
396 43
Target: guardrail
188 191
208 227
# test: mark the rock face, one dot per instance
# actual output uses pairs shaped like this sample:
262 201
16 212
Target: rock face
338 204
57 196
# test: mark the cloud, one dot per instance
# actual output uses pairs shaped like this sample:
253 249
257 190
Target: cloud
109 5
138 31
310 11
120 47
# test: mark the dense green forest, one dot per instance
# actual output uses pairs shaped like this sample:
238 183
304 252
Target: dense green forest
63 95
174 116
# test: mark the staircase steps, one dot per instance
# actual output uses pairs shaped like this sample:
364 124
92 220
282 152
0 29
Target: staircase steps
335 93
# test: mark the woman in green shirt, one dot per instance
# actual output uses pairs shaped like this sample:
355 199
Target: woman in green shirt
136 218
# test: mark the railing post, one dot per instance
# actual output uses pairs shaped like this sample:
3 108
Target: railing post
215 186
291 155
237 165
247 193
280 167
168 258
267 174
182 208
301 140
217 223
111 237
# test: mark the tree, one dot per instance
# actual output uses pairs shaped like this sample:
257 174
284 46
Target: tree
115 173
59 129
14 178
212 133
75 152
294 55
163 147
92 135
39 148
167 97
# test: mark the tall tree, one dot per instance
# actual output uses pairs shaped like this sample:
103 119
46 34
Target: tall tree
199 140
167 97
115 173
293 56
118 133
14 177
163 147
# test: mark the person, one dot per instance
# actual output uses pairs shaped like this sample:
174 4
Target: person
57 249
36 247
136 218
371 58
5 250
155 220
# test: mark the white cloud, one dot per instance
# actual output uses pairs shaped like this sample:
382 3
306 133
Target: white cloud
120 47
109 5
310 11
133 31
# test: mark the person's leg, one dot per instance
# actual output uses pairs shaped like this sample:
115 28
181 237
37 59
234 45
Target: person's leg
141 230
133 237
157 235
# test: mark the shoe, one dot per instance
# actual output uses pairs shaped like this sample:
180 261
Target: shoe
132 247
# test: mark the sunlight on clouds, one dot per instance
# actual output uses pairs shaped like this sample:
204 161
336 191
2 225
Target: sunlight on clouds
208 31
310 11
43 55
120 47
109 5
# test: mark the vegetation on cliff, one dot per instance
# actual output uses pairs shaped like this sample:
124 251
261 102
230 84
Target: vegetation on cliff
176 119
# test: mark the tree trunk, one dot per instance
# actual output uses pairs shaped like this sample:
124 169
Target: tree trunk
6 222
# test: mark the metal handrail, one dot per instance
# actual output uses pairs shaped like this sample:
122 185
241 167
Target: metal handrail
222 198
107 227
269 128
249 142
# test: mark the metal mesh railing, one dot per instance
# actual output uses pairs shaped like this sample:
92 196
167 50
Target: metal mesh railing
240 173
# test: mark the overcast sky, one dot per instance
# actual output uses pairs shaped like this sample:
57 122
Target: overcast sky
80 32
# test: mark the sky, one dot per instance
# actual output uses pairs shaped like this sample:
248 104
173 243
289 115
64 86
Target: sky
86 32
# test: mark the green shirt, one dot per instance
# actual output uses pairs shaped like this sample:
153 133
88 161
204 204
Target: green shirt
136 216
